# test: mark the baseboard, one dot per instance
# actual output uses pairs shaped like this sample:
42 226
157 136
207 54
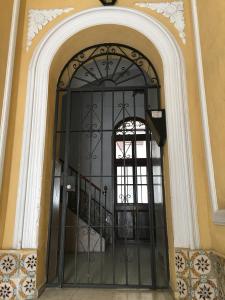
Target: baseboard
41 290
172 293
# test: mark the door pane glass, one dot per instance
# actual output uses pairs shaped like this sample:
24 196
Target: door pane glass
124 175
143 225
157 170
155 150
125 193
157 180
123 149
158 196
141 149
141 175
142 191
125 221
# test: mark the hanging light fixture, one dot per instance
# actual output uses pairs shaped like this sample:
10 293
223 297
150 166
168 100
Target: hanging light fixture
108 2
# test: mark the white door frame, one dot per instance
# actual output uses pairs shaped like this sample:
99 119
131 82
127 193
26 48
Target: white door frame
183 198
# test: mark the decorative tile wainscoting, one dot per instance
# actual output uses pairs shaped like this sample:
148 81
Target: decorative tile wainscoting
18 274
200 275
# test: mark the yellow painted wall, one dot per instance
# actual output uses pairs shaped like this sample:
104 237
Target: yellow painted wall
12 155
5 25
81 40
212 25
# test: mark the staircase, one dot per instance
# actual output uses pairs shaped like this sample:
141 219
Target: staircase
88 202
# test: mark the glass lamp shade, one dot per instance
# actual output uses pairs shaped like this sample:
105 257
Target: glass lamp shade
108 2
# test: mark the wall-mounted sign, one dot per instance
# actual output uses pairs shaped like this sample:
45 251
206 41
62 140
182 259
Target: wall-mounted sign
156 114
156 120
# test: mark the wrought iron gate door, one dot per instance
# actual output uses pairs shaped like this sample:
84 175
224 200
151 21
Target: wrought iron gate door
108 224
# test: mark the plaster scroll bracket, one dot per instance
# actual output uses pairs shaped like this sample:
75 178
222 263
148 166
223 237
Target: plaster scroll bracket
39 18
174 11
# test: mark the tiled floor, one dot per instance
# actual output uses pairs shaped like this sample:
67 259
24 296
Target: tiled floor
102 294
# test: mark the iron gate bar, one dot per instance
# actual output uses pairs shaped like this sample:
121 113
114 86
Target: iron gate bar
65 194
164 217
89 196
130 78
104 286
114 187
124 72
134 209
105 130
77 225
98 68
84 80
116 66
111 89
101 183
52 183
151 198
107 63
126 266
135 190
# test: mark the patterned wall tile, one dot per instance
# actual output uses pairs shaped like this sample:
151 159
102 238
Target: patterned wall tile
9 264
28 263
218 266
200 275
18 275
200 264
8 290
183 289
196 279
27 288
204 290
182 262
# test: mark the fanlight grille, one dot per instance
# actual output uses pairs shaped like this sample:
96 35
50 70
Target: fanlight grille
108 65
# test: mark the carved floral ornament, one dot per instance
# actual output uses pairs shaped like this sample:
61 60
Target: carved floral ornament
39 18
172 10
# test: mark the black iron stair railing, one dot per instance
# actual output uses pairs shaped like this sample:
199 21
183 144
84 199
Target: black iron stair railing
90 204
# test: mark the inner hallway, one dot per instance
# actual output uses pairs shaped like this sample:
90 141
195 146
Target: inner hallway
108 224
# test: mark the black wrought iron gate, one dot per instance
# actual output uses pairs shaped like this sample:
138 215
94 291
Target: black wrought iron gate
108 222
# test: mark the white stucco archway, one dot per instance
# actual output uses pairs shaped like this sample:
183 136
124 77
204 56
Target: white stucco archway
184 215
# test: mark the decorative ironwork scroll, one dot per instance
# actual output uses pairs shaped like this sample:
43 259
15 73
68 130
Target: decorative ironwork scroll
109 65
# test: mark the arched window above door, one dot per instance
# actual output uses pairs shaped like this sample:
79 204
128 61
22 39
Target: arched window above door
131 126
133 130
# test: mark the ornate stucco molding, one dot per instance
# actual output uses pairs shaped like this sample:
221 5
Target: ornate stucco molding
183 192
172 10
38 18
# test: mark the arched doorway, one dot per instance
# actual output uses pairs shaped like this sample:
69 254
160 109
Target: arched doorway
108 221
